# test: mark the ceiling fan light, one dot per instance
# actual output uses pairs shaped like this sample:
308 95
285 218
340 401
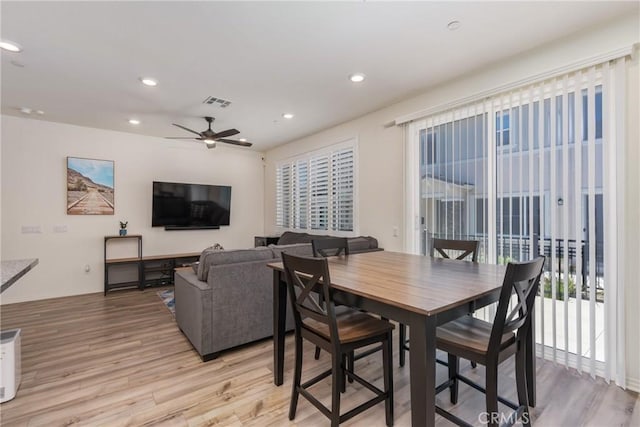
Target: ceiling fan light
211 143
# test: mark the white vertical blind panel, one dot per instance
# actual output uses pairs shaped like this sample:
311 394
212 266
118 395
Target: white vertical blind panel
613 98
565 214
521 193
531 185
553 132
578 209
541 202
591 155
610 222
618 125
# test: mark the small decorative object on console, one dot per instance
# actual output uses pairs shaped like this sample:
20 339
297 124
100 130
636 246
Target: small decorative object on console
123 228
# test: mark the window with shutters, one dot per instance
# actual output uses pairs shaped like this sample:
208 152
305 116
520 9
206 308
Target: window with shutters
316 191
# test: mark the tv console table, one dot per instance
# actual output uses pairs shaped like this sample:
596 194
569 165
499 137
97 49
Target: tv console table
153 270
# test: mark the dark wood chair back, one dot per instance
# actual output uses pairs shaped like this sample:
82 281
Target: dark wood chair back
330 246
305 277
467 247
523 279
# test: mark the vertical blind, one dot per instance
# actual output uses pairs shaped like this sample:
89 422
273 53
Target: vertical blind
316 191
536 170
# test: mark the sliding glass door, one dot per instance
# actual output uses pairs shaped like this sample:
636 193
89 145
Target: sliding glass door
525 173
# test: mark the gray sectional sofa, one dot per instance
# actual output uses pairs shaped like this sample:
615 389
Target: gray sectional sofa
227 299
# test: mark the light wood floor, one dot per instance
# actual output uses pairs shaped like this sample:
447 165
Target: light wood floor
121 360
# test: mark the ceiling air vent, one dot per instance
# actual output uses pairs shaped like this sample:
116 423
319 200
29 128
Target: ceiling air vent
212 100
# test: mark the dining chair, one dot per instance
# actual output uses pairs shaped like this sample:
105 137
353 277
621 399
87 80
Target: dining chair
330 246
460 249
490 344
337 335
326 247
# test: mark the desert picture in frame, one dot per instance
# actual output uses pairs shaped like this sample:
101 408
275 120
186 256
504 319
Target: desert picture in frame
90 186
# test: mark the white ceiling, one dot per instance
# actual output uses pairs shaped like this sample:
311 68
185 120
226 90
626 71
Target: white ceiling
82 60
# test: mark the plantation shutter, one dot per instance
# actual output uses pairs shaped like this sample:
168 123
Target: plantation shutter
342 190
316 191
300 189
283 195
319 192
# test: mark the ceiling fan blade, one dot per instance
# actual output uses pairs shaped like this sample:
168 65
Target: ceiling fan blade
179 137
234 142
225 133
187 129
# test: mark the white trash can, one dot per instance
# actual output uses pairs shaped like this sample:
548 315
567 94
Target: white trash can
10 369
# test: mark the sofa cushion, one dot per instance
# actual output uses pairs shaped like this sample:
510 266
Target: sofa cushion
358 244
211 257
298 249
291 237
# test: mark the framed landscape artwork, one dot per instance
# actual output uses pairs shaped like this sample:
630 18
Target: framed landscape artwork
89 186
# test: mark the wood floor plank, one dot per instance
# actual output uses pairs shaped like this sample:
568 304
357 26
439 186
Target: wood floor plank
120 360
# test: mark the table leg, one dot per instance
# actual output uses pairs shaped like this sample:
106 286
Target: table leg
279 318
422 357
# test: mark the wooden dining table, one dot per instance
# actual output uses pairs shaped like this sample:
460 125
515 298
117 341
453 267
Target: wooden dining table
419 291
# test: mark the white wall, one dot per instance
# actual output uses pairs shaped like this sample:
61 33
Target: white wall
381 167
34 193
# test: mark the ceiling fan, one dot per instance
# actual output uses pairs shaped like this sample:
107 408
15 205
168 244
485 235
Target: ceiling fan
210 137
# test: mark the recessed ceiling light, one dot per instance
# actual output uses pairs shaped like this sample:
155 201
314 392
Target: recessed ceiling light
148 81
40 112
287 115
454 25
10 46
243 140
357 77
26 110
134 121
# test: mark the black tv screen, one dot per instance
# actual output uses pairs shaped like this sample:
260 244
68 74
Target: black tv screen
177 205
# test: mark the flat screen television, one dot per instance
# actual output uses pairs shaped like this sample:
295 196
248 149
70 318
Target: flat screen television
190 206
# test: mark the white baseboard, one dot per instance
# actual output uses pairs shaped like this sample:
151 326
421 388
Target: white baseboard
633 384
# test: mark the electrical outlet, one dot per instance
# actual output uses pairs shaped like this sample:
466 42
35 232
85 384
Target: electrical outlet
396 231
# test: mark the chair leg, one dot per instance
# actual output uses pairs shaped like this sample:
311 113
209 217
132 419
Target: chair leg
297 375
336 385
402 341
387 362
351 364
521 383
317 353
343 376
474 365
493 416
454 370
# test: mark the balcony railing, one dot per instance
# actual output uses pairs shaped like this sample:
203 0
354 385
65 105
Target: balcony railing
517 248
